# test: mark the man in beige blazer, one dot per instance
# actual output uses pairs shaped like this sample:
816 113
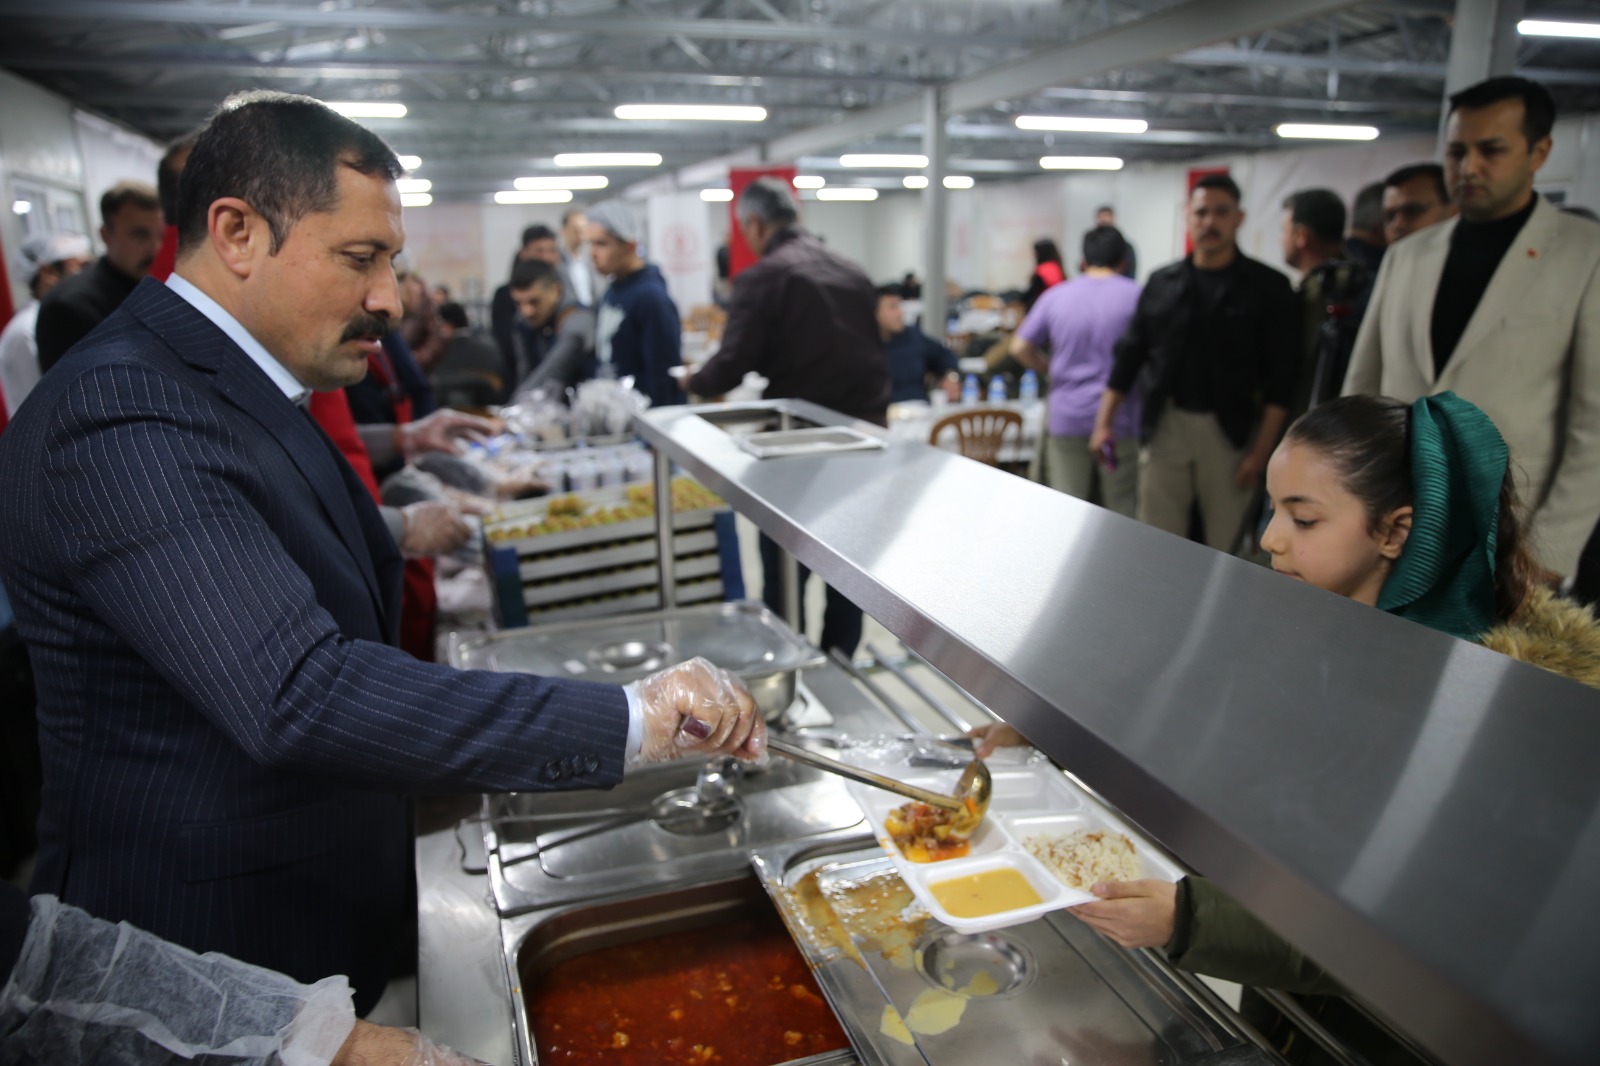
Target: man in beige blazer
1502 307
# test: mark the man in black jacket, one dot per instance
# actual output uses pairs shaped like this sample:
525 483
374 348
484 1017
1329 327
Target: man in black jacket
132 229
1214 349
805 318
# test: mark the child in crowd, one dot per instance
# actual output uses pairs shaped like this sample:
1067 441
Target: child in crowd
1407 508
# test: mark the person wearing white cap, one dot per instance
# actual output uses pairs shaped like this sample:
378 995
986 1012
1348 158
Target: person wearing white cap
637 330
45 259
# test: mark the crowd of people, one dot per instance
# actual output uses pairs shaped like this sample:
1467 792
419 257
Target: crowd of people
196 520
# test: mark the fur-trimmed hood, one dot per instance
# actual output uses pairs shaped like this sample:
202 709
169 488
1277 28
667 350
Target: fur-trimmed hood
1556 634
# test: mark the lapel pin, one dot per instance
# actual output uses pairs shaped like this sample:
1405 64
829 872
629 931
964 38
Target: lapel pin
1533 253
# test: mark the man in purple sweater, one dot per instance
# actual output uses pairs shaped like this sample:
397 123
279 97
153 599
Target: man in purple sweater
1071 335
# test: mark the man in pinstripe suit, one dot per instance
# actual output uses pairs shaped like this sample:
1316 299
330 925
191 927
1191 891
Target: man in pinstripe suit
209 595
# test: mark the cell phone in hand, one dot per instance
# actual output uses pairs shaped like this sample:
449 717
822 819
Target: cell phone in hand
1108 456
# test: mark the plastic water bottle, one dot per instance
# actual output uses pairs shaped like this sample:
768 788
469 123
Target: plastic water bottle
997 389
969 390
1028 391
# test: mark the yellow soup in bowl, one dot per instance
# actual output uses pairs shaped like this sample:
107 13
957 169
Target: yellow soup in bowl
990 892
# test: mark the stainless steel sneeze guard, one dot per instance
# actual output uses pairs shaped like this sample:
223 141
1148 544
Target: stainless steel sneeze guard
1420 815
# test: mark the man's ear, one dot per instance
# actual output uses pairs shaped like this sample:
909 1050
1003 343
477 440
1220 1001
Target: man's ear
238 235
1395 530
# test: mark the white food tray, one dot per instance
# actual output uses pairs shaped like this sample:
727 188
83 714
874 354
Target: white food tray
1026 801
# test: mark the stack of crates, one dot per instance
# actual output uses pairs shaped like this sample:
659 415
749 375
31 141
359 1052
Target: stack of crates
591 554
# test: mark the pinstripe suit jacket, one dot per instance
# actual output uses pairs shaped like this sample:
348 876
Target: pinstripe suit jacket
208 595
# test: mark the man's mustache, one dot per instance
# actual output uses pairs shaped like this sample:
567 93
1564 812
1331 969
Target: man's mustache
366 327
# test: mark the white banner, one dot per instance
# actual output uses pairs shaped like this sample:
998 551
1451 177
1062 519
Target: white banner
680 245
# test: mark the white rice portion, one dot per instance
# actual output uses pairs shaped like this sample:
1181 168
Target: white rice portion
1086 856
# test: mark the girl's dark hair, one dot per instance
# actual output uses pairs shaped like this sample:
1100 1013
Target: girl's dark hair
1045 251
1368 441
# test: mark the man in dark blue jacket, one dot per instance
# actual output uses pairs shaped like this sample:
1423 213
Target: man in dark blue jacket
209 595
637 330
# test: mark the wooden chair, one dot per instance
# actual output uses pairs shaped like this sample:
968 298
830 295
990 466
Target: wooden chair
981 432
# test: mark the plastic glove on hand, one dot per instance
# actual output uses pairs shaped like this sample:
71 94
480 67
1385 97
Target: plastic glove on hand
442 431
432 528
382 1045
695 709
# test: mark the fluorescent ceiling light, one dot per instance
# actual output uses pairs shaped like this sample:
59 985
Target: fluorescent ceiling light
716 196
842 193
363 109
958 181
1069 124
608 159
913 162
1542 28
558 181
21 207
915 181
415 199
409 185
692 112
1314 132
537 196
1081 162
410 162
809 181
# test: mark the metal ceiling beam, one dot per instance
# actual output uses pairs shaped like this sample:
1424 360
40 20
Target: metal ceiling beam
1394 68
1209 99
629 25
1132 44
397 68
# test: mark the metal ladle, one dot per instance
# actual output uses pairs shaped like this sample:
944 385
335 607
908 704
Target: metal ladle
975 783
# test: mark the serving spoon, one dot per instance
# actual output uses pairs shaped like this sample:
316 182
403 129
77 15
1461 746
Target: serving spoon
970 801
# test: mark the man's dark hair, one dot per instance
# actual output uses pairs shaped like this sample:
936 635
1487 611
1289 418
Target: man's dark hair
893 288
1223 182
1407 174
1104 246
537 232
1318 210
279 153
531 272
454 314
1366 212
124 193
168 173
1045 251
1105 209
1538 106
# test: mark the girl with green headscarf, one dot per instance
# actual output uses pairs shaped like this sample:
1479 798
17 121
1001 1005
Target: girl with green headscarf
1406 507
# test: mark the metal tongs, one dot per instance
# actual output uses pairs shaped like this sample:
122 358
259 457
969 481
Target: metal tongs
970 801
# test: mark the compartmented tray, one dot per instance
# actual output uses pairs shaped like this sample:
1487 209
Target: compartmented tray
598 517
1028 801
816 440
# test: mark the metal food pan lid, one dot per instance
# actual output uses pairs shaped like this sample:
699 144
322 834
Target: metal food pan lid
744 638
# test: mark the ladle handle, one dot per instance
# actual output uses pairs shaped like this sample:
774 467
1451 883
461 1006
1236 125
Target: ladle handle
856 773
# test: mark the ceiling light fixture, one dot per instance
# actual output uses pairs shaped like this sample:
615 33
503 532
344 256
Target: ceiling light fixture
1081 162
915 181
1069 124
958 181
409 162
1312 131
845 193
608 159
716 196
1545 28
691 112
576 181
912 162
809 181
366 109
21 207
415 199
410 185
536 196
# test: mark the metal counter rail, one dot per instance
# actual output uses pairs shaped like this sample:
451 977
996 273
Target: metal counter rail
1419 814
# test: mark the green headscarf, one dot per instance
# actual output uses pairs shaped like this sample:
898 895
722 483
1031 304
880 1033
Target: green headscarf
1444 577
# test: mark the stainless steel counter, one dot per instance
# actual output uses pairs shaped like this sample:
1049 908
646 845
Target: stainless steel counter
1419 814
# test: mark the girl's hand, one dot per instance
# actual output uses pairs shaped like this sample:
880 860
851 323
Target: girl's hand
996 735
1135 914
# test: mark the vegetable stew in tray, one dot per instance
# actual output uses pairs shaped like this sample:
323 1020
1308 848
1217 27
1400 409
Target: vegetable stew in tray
1041 847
